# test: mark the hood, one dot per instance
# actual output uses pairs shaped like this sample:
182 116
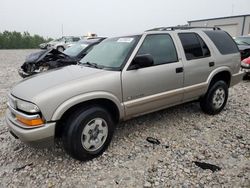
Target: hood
243 47
33 86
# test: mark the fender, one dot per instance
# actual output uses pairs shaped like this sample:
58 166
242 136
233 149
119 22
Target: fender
86 97
216 71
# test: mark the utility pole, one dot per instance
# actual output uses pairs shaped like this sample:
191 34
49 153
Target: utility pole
232 10
62 30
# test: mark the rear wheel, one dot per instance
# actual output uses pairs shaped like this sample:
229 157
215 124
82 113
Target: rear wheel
215 99
88 132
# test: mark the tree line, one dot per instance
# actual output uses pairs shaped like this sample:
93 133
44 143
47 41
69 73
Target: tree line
18 40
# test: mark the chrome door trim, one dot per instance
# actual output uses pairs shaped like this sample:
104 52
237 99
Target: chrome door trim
159 96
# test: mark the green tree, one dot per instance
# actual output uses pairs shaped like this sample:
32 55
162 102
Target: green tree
18 40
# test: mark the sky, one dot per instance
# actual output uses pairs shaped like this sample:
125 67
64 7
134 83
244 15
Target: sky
109 17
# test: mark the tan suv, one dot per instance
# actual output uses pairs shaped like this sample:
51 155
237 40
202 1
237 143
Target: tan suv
119 79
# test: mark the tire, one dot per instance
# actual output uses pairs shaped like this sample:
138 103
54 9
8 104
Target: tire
87 133
215 99
60 48
246 76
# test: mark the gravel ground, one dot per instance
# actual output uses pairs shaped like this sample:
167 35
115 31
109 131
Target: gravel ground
185 133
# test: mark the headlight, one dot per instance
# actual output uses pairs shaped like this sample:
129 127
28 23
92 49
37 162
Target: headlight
27 106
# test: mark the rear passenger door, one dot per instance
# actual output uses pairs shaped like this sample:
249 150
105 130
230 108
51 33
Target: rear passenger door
151 88
197 62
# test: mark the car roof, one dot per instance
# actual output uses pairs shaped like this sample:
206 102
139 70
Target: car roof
172 29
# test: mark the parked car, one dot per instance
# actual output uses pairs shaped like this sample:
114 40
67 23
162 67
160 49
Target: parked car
49 59
245 65
60 44
243 40
43 45
243 43
119 79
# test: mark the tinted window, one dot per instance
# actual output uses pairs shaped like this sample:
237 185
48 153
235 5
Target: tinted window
161 47
75 39
223 42
193 45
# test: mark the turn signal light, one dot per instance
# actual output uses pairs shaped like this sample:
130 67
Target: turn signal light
30 122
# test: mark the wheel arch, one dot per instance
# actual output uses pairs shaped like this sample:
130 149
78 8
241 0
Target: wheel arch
68 107
89 98
221 73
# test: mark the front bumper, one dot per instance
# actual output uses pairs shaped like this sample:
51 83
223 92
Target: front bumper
22 73
42 136
236 78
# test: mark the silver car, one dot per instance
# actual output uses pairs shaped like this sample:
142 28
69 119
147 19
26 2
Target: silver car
121 78
61 44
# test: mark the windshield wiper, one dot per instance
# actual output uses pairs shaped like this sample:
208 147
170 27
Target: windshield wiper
92 65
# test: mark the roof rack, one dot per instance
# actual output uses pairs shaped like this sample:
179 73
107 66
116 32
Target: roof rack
181 28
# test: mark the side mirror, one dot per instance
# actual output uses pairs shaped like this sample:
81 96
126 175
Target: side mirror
141 61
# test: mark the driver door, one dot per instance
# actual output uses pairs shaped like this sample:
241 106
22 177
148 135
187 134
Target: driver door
158 86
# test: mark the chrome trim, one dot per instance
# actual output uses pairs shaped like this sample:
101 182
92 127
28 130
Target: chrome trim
159 96
35 136
11 118
12 100
29 117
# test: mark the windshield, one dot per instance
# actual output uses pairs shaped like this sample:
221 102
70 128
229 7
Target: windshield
74 50
111 53
242 40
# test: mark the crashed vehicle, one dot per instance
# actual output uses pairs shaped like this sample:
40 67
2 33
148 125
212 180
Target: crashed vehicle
245 65
244 51
49 59
243 43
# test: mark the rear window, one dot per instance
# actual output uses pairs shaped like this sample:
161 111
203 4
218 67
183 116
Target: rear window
223 41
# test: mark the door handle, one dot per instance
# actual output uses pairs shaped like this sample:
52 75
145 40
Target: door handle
179 69
211 64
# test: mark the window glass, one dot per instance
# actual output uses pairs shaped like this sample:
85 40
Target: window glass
193 45
75 39
205 49
223 42
242 40
76 49
68 39
161 47
111 52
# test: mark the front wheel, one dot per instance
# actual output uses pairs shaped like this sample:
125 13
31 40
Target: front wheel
88 132
215 99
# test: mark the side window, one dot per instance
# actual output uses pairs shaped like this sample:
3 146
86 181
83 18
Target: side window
68 39
75 39
193 45
223 42
161 47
